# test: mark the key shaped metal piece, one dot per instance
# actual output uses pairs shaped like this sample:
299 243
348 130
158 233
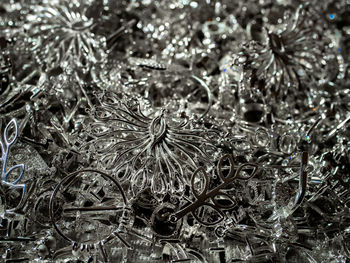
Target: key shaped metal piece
201 198
5 144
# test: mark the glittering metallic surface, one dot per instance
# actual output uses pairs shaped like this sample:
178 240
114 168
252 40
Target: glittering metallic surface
174 131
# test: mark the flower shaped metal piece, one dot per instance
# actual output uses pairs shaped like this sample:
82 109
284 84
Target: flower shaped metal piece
61 35
147 151
289 57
